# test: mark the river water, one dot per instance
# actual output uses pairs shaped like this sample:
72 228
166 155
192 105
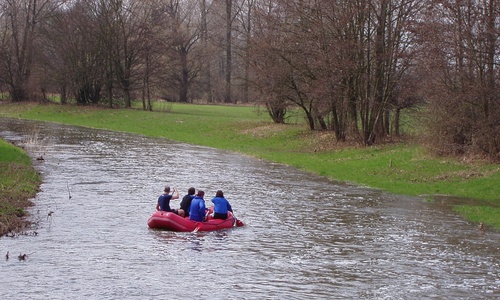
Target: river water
305 237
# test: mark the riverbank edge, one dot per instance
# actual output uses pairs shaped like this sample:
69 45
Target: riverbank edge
20 182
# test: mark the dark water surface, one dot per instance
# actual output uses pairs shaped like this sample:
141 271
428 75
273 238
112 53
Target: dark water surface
306 237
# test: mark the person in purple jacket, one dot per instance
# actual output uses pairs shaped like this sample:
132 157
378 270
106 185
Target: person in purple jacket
198 209
221 206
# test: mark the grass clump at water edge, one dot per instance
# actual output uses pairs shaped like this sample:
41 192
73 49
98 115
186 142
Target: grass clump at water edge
19 182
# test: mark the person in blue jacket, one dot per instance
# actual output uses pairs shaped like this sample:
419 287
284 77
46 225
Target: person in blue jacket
197 210
163 203
221 206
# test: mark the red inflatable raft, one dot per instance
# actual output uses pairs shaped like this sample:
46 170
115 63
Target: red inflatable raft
170 221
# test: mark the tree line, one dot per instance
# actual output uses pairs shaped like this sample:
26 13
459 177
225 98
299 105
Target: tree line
351 67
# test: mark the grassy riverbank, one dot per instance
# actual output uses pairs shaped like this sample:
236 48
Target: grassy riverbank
19 182
401 168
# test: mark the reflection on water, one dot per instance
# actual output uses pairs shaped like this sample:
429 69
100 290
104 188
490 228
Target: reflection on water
306 237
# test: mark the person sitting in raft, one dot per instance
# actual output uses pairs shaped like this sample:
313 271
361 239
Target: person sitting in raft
197 210
221 206
186 201
164 200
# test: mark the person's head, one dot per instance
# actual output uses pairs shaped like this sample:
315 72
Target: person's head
166 189
201 193
191 191
219 194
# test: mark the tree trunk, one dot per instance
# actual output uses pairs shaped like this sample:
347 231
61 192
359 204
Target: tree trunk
184 78
228 96
375 121
206 60
247 53
397 116
64 96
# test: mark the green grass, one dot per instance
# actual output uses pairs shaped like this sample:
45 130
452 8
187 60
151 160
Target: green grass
401 168
10 153
18 183
479 214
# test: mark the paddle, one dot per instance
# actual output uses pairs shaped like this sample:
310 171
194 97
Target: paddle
236 223
198 225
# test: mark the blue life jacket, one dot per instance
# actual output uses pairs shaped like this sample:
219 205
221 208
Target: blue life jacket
197 209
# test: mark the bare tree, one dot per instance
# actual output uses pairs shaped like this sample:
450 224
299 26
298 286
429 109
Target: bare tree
206 60
229 54
281 58
246 24
127 20
18 43
86 62
152 66
463 58
344 59
389 27
181 41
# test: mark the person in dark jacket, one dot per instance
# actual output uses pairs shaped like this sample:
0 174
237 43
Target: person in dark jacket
198 209
163 203
221 206
186 202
